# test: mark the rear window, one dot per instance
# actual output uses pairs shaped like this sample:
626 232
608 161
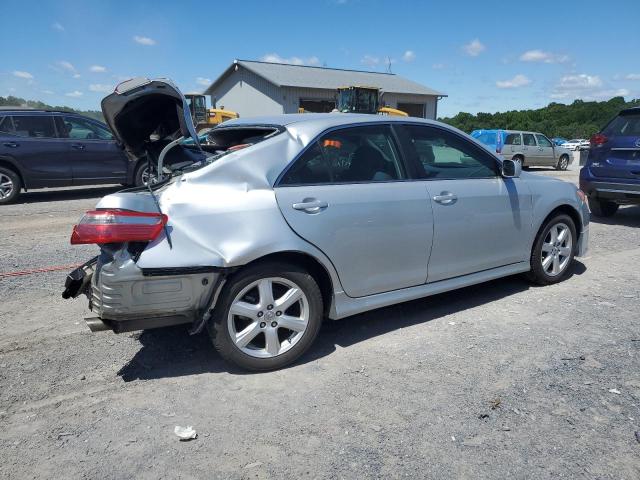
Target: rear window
623 125
223 139
34 126
513 139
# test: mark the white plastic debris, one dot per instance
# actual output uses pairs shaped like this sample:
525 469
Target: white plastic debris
185 433
614 390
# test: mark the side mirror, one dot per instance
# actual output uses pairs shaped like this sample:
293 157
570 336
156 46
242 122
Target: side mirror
511 168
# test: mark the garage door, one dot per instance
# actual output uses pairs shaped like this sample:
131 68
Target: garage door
413 109
317 106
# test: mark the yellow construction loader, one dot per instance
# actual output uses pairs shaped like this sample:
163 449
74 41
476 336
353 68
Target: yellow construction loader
360 99
204 117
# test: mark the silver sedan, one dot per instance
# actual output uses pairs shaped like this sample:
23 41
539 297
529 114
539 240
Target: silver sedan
274 224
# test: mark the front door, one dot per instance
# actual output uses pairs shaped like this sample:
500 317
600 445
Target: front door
481 220
348 195
93 153
545 149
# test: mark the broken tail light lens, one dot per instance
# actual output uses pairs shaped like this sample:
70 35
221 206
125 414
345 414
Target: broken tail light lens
117 226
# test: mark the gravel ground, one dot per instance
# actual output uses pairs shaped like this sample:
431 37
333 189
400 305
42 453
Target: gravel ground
500 380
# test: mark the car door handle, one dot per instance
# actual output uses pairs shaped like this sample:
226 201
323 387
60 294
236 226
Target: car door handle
310 205
77 146
11 144
445 198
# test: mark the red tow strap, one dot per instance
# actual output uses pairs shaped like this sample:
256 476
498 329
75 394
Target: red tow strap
38 270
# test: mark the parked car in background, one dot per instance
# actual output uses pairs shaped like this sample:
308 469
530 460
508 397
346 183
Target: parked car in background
317 215
558 140
46 148
611 175
574 144
532 149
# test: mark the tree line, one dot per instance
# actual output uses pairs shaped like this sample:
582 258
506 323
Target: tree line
12 101
578 120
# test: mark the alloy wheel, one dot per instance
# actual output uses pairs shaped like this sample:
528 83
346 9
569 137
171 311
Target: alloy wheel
268 317
146 176
564 163
6 186
556 249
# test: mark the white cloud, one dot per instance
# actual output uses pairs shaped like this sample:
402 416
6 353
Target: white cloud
632 76
474 48
75 93
205 82
21 74
275 58
438 66
57 26
409 56
586 87
543 57
67 67
101 87
48 92
97 69
516 82
370 61
144 40
76 75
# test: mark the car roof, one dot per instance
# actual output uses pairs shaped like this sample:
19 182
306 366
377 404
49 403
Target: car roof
628 111
327 120
40 111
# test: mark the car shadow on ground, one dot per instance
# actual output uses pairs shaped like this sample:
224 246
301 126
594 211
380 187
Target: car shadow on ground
46 195
627 216
172 352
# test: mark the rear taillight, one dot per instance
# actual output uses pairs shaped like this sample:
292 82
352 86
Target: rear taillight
117 226
598 139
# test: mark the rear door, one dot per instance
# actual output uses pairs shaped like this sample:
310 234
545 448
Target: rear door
32 141
93 153
619 156
481 220
512 144
349 195
545 150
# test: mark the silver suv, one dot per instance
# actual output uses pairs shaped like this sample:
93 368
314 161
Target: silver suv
533 149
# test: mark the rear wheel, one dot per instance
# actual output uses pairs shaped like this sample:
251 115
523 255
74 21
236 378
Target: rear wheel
519 158
553 250
144 174
10 185
602 208
563 162
267 316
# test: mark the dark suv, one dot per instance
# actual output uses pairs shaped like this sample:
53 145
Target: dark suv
611 176
41 148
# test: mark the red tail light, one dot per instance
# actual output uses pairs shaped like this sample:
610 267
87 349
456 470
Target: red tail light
117 226
598 139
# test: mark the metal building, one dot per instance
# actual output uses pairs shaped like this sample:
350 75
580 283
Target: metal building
254 88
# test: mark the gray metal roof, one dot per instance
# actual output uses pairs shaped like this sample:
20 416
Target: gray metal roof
285 75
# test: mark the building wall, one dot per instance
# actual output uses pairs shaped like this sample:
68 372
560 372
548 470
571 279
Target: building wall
292 96
248 94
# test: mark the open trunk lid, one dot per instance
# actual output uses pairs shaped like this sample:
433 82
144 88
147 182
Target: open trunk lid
141 111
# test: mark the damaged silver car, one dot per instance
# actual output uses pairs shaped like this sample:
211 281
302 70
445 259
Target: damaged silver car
274 224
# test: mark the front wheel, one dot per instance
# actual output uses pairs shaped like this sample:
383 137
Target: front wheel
145 174
553 250
267 316
10 185
563 163
602 208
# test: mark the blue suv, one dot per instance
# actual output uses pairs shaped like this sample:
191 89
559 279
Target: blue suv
44 148
611 176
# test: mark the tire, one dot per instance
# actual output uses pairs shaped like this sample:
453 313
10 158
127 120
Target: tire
563 162
141 174
602 208
267 344
520 158
547 272
10 185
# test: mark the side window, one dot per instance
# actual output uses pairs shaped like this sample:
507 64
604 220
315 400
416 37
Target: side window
513 139
350 155
543 141
34 126
529 139
445 155
79 128
6 125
